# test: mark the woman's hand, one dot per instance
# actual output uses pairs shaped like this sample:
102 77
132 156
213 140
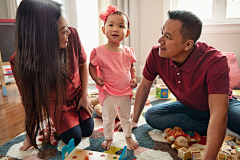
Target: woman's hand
134 82
86 104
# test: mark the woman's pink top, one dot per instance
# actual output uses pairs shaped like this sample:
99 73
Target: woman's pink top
114 68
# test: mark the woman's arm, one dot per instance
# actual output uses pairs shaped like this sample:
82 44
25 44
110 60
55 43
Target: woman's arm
84 100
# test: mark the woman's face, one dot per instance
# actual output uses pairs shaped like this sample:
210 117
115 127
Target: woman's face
63 32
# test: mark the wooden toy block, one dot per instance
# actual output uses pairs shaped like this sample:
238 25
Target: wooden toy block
226 147
238 153
184 153
231 143
237 141
197 156
201 149
221 156
230 157
193 150
69 152
80 154
162 92
233 151
229 138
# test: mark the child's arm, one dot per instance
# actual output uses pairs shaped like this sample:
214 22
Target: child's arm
93 72
133 76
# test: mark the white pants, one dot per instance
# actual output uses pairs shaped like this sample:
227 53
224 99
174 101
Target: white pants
111 106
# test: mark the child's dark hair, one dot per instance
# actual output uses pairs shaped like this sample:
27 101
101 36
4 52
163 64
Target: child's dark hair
121 13
191 24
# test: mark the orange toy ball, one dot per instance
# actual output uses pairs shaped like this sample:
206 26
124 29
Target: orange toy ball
147 102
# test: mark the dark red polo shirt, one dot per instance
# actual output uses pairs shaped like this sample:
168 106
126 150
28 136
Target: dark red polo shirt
205 72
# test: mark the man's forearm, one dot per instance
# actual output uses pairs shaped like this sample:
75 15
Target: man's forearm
215 136
140 100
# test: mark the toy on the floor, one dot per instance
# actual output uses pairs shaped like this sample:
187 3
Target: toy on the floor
45 133
162 92
178 138
69 152
97 106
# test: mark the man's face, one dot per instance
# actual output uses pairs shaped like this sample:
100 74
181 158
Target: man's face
171 43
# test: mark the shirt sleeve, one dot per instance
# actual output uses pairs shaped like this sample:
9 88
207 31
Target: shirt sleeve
82 56
218 79
149 71
94 58
132 54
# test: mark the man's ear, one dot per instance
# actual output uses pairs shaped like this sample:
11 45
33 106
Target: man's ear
103 29
189 44
128 32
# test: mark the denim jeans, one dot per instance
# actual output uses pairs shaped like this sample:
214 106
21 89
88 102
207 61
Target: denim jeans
172 114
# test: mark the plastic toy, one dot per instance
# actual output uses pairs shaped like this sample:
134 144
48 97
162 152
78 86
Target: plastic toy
69 152
162 92
177 138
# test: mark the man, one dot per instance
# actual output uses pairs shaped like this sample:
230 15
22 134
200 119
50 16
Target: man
198 75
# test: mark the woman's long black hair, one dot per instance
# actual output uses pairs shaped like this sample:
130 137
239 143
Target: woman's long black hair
40 65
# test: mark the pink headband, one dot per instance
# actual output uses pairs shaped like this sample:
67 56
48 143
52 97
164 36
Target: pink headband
110 10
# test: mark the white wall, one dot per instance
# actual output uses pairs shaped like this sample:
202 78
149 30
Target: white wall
150 28
151 20
3 9
225 42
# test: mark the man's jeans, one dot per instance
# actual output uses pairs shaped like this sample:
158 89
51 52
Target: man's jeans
172 114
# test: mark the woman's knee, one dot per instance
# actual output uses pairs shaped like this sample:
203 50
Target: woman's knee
87 127
75 133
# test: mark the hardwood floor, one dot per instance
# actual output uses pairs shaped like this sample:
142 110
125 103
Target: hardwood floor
12 116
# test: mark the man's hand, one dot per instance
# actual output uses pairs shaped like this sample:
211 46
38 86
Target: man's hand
118 125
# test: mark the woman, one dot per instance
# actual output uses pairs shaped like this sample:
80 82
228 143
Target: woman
47 65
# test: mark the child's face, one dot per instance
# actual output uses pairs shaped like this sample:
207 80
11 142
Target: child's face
116 28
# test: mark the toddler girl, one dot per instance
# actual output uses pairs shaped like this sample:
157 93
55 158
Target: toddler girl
111 67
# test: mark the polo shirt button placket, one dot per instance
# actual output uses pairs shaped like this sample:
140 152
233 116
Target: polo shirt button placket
179 81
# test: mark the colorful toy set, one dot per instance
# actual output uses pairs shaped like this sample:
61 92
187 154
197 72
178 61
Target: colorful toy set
69 152
230 150
162 92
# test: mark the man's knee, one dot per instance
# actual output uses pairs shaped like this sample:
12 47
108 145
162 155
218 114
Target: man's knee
149 116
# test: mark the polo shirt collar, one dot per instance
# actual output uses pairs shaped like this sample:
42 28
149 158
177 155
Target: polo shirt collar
189 64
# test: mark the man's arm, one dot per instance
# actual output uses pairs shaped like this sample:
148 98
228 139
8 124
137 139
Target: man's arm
140 98
218 106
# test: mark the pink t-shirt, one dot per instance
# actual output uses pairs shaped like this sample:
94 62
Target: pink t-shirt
114 68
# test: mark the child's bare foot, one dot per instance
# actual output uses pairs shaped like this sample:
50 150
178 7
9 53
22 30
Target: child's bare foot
107 144
26 145
131 143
